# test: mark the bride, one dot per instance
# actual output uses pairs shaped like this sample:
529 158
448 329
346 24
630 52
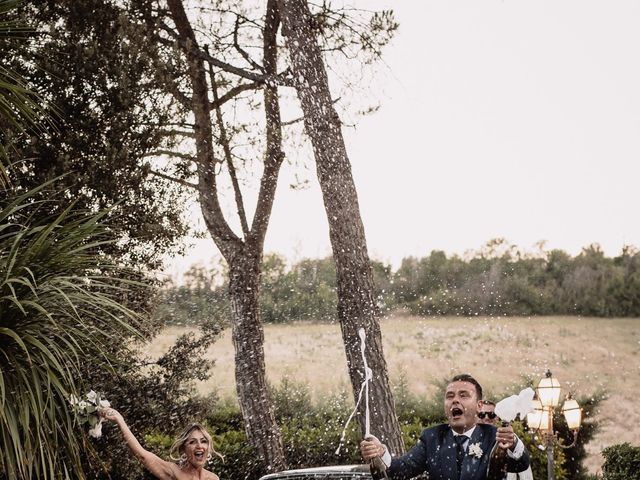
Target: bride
194 448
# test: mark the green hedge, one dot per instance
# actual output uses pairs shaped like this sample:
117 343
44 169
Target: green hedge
621 462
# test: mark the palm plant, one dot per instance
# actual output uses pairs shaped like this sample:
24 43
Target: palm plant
58 298
58 308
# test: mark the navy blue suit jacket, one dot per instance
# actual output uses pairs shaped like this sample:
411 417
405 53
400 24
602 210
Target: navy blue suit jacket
435 453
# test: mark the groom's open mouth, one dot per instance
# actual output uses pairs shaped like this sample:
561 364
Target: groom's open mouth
456 412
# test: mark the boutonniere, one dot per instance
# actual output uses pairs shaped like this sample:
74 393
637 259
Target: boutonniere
475 450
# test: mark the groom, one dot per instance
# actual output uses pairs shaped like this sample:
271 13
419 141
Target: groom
458 450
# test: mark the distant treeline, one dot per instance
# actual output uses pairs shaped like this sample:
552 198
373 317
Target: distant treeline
496 280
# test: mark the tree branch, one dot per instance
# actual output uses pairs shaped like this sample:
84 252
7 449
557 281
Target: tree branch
224 236
204 55
167 78
300 119
179 181
173 133
224 140
279 79
168 124
184 99
273 154
170 153
242 52
234 92
170 31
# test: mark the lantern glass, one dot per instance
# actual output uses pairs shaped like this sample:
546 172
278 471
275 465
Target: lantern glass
549 391
534 417
544 419
572 413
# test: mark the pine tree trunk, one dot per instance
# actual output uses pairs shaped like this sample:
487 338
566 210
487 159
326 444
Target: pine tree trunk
248 339
356 298
242 255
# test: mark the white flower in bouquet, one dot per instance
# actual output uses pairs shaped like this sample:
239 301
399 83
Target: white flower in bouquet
87 411
92 397
96 431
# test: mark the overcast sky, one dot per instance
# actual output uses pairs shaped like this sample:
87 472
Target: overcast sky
516 119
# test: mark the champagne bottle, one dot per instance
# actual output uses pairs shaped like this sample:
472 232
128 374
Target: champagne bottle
497 461
378 469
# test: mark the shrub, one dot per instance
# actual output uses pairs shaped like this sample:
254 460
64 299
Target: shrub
621 462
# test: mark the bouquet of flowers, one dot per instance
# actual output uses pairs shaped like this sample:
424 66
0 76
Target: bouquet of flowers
86 411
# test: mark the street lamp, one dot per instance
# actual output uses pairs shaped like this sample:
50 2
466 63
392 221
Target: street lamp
541 417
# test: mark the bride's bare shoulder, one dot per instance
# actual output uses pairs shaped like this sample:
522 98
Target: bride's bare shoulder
212 476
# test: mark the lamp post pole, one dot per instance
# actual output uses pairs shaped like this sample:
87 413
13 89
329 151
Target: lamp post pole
550 436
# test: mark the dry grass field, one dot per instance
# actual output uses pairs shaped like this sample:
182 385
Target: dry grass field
586 354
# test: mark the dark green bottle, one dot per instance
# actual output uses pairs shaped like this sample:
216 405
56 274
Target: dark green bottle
378 469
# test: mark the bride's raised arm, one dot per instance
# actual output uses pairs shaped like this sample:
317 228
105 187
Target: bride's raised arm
157 466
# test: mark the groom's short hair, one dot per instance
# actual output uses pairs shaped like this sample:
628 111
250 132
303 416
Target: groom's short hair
464 377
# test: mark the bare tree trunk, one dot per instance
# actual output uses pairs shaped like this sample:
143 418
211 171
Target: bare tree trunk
243 256
356 298
248 341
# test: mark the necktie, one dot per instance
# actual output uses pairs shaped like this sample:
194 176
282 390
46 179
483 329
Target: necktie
460 439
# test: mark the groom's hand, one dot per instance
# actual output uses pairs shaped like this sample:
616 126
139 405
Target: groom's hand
371 447
506 438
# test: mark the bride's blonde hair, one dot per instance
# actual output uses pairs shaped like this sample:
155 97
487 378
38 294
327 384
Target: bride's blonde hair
178 445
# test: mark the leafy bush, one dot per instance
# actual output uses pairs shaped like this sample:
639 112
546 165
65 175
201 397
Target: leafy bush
621 462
